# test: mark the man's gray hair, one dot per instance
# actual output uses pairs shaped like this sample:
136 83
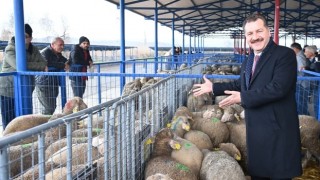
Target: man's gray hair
312 49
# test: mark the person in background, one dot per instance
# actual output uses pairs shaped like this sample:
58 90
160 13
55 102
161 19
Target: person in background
303 85
35 62
310 53
266 89
48 86
80 59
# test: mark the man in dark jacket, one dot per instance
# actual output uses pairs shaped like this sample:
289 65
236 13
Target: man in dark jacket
48 86
267 92
35 62
80 59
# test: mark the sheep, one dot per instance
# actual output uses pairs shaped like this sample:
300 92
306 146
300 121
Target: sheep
164 142
195 103
22 157
61 173
180 125
183 111
73 105
56 146
159 176
23 123
84 132
33 172
213 111
170 167
199 138
237 130
55 133
132 87
229 114
189 155
219 165
310 134
215 129
97 122
79 154
231 149
218 99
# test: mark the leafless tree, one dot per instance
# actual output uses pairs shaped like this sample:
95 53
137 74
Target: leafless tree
65 30
46 24
8 31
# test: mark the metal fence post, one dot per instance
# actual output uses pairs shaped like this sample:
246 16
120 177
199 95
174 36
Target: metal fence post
4 174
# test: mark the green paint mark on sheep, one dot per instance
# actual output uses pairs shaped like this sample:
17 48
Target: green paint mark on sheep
182 167
97 130
187 145
26 145
214 120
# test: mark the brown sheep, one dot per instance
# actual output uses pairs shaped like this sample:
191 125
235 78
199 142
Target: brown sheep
73 105
23 123
310 134
22 156
237 130
159 176
229 114
184 111
231 149
216 130
180 125
196 103
199 138
189 155
79 155
33 172
56 146
167 165
164 143
61 173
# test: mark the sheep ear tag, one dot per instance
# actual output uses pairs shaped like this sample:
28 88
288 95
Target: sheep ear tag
75 109
237 157
169 125
149 141
174 145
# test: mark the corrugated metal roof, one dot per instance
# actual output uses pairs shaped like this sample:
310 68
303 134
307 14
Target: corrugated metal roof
206 17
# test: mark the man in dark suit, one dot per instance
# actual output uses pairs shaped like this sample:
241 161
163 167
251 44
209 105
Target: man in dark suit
266 89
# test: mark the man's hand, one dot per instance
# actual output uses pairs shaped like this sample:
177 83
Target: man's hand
230 100
66 67
199 89
46 69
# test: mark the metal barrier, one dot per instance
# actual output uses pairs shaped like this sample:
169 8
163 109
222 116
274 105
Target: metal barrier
127 123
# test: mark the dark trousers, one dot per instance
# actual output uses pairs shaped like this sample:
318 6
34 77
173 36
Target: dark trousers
7 110
78 87
47 95
263 178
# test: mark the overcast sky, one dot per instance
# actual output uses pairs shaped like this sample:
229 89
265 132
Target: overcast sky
98 20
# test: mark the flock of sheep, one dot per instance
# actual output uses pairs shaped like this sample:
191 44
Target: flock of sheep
202 141
211 143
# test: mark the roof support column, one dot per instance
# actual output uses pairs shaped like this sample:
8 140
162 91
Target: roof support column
172 45
123 45
276 21
156 37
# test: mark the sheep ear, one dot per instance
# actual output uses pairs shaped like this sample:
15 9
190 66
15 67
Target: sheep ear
174 144
150 141
237 157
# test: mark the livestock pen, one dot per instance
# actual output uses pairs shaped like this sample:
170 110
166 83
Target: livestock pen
108 140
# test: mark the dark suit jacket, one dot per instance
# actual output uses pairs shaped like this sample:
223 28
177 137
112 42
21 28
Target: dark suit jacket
273 136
